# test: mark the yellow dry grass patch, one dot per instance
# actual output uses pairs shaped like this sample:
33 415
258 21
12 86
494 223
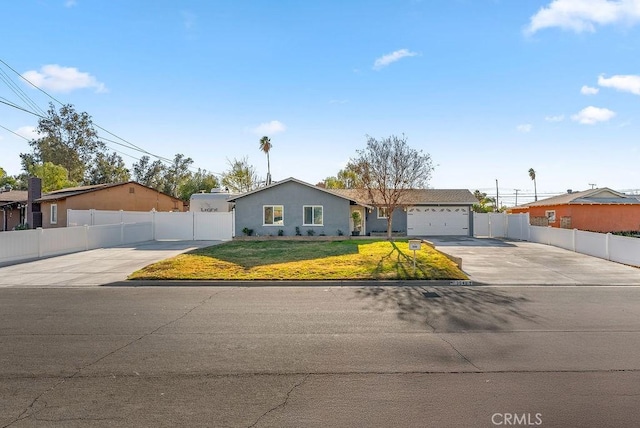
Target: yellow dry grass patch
295 260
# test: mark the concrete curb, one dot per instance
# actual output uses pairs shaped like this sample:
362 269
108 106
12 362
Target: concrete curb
276 283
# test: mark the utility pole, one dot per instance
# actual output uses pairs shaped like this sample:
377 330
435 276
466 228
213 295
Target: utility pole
592 185
497 203
517 190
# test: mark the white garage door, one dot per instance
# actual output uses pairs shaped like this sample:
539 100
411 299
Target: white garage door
437 221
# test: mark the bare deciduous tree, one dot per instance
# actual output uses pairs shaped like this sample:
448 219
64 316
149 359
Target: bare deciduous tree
389 168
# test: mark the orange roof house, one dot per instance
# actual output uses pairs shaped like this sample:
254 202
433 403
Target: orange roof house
129 196
597 210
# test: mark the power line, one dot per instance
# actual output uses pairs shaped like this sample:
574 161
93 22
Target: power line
128 145
14 133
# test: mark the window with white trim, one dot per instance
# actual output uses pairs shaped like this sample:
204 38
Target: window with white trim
312 215
273 215
382 212
53 219
551 215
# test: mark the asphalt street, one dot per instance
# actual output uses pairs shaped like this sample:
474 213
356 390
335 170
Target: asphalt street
334 356
553 342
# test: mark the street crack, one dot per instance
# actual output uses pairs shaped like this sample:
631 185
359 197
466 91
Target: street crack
27 412
460 353
284 403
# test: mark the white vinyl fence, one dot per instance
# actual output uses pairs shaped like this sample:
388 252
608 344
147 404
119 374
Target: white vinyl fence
32 244
501 225
185 226
516 226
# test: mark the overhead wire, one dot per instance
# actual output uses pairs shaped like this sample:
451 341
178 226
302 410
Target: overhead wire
127 144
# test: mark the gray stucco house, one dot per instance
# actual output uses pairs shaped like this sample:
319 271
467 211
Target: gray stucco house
290 203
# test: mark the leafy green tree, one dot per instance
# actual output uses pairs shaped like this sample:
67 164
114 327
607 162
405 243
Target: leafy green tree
176 175
347 178
265 146
150 174
54 177
241 177
202 180
388 168
17 182
108 168
67 138
485 203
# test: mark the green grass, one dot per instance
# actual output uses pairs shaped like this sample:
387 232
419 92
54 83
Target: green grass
305 260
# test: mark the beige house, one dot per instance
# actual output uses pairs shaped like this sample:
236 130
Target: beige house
130 196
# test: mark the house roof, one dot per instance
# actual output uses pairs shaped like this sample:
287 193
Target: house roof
416 196
361 196
602 195
13 196
60 194
290 180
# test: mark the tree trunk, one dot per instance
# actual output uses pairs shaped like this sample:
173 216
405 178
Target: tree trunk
268 170
389 222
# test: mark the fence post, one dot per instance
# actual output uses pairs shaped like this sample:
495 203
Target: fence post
40 232
92 217
121 231
153 224
573 240
607 246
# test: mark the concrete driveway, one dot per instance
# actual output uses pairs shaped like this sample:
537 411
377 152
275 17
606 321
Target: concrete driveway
95 267
503 262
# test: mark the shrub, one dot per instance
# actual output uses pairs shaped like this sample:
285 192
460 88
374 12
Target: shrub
311 232
247 231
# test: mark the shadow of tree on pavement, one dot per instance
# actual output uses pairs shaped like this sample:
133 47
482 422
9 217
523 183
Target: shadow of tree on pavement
450 308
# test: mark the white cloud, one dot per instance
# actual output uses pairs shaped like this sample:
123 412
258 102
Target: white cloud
592 115
584 15
70 3
588 90
624 83
558 118
267 128
387 59
63 79
27 132
526 127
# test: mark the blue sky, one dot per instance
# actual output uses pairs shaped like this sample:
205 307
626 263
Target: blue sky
489 88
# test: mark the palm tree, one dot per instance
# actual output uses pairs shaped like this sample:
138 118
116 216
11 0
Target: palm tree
265 146
532 175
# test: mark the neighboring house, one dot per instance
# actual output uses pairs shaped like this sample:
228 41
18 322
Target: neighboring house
129 196
597 210
292 203
13 205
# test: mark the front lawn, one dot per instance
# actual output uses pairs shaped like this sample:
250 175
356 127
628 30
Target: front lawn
305 260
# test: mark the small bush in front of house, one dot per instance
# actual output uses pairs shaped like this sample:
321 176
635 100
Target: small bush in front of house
298 231
340 232
247 231
280 232
311 232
